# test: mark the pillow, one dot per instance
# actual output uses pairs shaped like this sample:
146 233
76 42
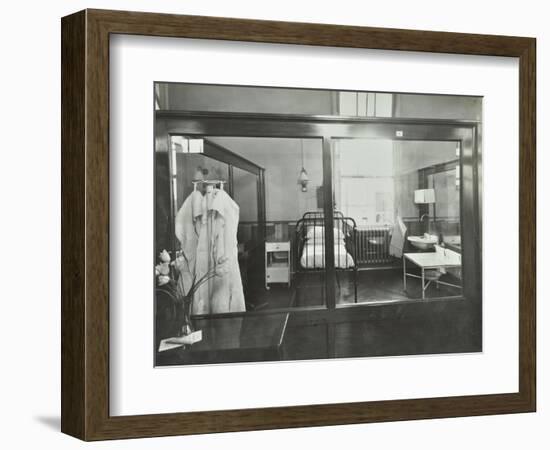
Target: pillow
317 233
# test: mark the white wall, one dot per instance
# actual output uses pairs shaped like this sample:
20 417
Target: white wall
282 161
30 230
409 156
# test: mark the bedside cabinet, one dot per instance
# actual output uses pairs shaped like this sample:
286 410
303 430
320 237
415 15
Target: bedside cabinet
277 263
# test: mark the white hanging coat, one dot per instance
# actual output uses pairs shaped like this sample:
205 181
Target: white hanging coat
206 227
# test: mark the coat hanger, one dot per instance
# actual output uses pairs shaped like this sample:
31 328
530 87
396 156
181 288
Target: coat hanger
211 183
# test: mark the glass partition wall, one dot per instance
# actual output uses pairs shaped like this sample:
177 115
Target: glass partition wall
404 196
331 221
280 229
319 223
335 215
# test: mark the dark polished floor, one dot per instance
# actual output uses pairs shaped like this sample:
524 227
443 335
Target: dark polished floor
387 284
307 289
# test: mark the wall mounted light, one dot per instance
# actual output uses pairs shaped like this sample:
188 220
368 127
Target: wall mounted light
424 196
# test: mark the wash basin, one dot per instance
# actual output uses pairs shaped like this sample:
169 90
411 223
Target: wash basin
425 242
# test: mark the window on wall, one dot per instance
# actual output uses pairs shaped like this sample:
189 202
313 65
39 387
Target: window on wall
365 104
364 184
369 200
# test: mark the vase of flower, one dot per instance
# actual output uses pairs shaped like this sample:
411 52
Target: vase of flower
169 276
184 322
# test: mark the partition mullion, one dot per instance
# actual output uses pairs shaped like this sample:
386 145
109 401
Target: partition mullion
328 213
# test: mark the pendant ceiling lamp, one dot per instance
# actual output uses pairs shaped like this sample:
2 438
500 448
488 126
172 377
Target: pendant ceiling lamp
303 178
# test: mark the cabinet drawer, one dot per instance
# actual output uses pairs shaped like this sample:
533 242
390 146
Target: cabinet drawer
277 275
277 246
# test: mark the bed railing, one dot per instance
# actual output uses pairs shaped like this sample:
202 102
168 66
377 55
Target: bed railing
315 254
310 250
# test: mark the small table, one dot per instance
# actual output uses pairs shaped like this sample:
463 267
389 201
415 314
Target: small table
236 338
431 260
277 270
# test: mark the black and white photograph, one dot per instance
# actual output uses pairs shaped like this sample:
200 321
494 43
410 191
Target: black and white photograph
298 224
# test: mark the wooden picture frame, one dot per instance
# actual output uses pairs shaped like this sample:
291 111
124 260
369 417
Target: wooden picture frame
85 224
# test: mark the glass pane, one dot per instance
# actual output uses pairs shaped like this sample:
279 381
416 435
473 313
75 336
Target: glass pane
190 166
245 192
281 267
404 198
171 195
250 231
446 209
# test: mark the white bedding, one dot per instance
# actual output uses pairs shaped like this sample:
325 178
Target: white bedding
313 256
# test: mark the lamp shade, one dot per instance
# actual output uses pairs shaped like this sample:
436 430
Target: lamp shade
423 196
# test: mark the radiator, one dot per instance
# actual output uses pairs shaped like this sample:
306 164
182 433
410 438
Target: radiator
372 245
